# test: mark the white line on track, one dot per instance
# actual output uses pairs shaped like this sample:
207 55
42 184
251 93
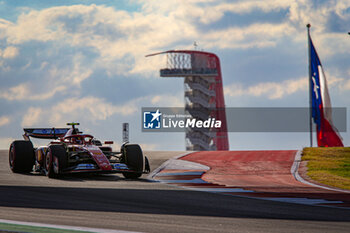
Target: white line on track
180 174
222 190
306 201
194 181
165 164
64 227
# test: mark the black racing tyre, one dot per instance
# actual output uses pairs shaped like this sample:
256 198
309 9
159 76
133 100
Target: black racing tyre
134 159
55 160
21 156
132 175
147 166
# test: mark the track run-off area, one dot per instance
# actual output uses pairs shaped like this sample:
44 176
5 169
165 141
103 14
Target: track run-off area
177 203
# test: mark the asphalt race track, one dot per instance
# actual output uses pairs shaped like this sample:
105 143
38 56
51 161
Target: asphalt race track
112 202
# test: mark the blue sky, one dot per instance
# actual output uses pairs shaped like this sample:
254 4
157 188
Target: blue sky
84 61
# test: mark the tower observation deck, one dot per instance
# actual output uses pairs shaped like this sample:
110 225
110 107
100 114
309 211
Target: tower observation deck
204 96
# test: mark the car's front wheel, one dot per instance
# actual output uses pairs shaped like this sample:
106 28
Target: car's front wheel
55 161
134 159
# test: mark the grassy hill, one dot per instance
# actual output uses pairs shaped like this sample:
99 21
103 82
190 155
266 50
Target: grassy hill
329 165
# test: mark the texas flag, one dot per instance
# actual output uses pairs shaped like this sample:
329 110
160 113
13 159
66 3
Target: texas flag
327 134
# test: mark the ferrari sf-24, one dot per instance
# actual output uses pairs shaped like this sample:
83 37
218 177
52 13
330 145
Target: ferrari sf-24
71 151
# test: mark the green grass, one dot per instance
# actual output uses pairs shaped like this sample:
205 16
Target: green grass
329 165
7 227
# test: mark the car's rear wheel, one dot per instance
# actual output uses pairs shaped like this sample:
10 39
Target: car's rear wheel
55 161
21 156
134 159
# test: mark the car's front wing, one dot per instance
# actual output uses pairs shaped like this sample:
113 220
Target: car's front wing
93 168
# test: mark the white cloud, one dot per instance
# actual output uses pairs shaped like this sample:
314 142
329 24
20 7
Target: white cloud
319 15
90 109
335 81
123 38
249 6
209 10
272 90
308 11
253 36
32 117
6 54
17 92
346 83
4 120
168 100
24 92
56 80
278 90
9 52
69 76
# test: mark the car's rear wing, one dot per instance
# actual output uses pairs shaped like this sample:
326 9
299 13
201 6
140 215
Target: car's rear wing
45 133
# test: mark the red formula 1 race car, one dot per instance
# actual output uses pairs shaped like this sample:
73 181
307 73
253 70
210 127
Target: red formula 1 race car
71 151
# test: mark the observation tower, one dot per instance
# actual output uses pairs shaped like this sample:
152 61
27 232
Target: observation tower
204 96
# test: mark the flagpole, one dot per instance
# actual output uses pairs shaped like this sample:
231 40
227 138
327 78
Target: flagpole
310 76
